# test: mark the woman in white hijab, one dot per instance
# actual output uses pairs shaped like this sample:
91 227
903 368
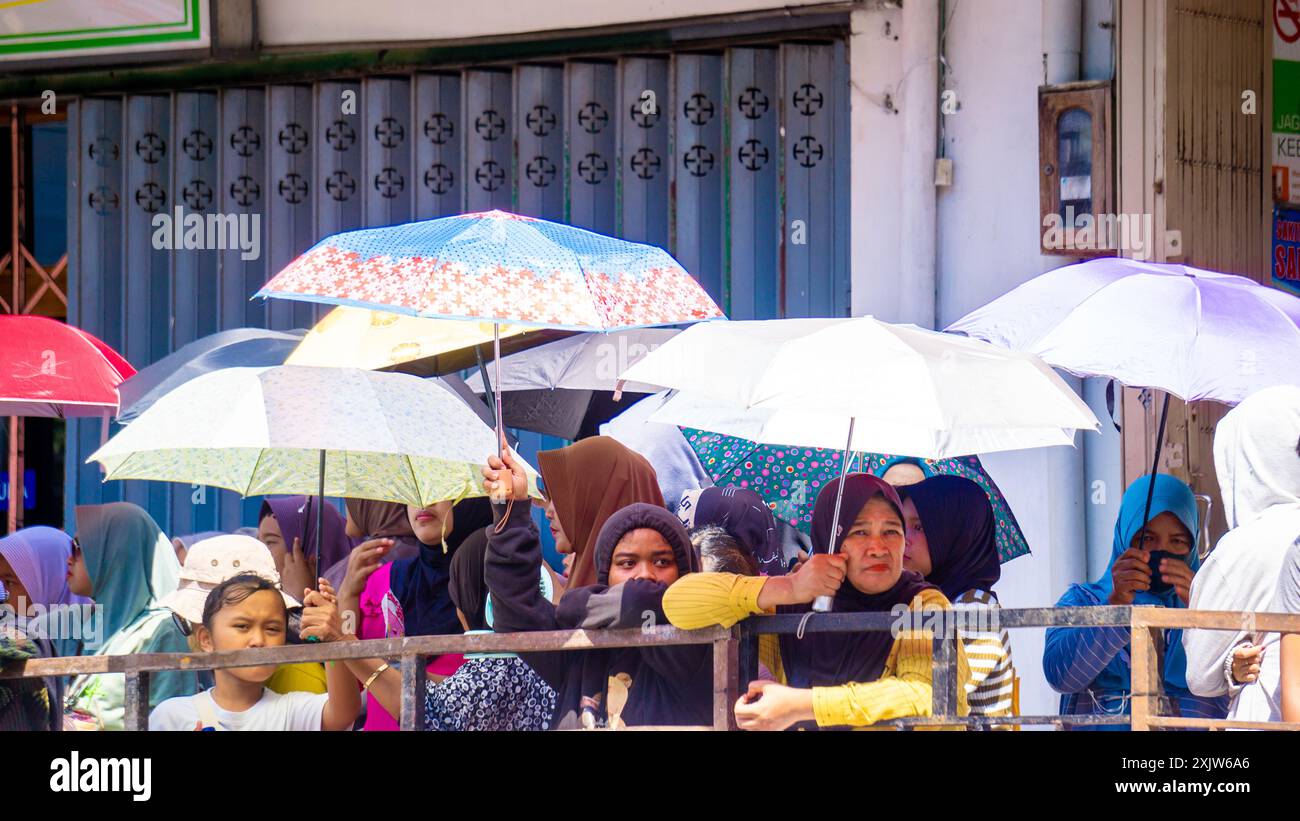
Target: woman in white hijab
1259 475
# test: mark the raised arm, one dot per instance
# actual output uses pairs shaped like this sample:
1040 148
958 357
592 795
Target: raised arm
1073 657
321 620
1207 651
705 599
907 691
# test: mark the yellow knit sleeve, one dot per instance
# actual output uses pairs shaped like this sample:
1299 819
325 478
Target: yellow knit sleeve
699 600
904 688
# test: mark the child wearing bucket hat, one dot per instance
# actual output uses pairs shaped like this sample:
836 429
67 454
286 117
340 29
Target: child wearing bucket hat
209 562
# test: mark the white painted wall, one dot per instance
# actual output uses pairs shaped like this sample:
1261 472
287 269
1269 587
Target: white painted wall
326 22
988 243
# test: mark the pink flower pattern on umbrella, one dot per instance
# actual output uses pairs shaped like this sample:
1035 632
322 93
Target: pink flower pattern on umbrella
499 267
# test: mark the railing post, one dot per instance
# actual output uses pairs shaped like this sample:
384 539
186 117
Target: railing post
136 718
726 667
943 682
413 687
1144 685
747 659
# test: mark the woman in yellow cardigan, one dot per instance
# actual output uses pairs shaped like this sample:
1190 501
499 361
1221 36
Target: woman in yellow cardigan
834 679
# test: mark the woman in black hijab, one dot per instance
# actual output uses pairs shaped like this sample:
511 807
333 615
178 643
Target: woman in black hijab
834 679
639 551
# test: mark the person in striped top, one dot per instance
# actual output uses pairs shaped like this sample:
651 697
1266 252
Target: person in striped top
832 679
952 542
1151 565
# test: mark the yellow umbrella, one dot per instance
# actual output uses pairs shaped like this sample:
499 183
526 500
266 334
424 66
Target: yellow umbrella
375 340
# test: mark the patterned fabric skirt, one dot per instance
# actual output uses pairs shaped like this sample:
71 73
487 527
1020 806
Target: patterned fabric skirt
489 694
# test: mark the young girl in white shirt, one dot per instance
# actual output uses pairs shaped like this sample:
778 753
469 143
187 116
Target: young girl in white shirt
249 611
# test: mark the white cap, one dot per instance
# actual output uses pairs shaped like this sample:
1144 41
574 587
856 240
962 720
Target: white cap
210 562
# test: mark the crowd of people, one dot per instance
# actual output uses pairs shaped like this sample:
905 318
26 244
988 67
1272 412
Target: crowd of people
904 541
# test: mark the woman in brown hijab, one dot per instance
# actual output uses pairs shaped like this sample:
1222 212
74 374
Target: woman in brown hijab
586 483
370 519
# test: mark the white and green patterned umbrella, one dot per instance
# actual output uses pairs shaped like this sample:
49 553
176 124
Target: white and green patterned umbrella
387 436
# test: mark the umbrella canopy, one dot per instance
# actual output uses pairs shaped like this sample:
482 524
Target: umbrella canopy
800 382
257 431
50 368
567 388
1191 333
1010 539
235 348
382 340
589 361
789 478
498 267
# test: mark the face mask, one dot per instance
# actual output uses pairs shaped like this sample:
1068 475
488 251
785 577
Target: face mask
1159 586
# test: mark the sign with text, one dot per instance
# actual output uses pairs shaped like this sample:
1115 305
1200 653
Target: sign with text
29 489
65 29
1286 101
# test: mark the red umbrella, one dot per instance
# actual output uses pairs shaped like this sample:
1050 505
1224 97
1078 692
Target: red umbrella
49 368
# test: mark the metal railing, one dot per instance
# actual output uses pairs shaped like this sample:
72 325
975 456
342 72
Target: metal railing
735 660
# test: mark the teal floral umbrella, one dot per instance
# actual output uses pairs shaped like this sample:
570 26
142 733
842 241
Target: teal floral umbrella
789 479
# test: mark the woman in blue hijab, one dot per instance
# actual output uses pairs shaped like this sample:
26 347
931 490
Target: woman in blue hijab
1090 666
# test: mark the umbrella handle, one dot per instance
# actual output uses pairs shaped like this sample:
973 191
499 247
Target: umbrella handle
822 604
499 495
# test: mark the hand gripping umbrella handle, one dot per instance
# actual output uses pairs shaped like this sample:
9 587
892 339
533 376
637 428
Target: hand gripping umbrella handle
822 604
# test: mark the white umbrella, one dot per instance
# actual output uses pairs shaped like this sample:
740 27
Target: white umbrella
807 382
925 394
303 430
814 429
1192 333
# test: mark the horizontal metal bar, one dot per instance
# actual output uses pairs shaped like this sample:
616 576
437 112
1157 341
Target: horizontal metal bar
538 642
1168 617
1220 723
985 721
1104 616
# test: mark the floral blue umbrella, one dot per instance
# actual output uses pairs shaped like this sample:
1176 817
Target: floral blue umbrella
789 479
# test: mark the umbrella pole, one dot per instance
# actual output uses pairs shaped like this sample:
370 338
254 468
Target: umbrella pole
487 383
320 504
1155 464
496 356
499 496
822 604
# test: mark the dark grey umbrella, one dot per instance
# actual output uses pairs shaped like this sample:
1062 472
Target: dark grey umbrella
235 348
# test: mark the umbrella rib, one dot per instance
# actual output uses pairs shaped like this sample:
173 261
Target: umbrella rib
1278 310
582 269
1029 346
82 335
260 453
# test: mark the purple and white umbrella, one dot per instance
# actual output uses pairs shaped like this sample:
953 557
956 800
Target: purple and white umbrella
1195 334
1191 333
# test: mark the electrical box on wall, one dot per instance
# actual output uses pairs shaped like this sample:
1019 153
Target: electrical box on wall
1076 193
